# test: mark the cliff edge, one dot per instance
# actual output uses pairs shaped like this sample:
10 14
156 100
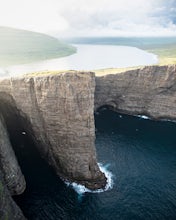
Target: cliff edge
149 91
57 111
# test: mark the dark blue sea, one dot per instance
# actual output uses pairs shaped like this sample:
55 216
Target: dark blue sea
140 154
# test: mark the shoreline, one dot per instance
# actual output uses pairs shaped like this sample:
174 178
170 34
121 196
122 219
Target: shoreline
88 59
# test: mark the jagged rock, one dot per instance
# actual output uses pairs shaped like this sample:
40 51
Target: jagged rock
9 166
149 91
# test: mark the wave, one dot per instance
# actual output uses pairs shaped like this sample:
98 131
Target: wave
80 189
143 116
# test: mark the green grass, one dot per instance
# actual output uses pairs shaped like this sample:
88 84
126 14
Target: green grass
20 46
163 47
166 55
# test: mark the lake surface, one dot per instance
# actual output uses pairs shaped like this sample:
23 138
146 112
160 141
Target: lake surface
88 57
141 154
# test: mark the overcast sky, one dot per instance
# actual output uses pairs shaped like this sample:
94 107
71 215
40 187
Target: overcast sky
91 17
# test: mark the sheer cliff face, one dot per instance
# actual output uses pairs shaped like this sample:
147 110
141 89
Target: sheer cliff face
149 91
59 110
9 166
8 208
11 179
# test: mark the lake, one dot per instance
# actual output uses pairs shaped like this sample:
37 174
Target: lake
88 57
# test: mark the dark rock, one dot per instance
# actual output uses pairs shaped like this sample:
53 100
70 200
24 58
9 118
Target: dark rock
60 109
8 208
9 166
149 91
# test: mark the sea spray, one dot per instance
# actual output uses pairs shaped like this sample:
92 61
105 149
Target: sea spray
80 189
142 116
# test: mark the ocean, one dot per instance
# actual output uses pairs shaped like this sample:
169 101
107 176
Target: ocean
138 153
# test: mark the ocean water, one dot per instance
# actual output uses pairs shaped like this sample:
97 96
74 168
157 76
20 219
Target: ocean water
141 156
88 57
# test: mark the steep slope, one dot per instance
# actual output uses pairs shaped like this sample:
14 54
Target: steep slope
20 46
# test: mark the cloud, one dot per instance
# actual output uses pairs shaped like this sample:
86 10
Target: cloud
35 15
110 17
93 17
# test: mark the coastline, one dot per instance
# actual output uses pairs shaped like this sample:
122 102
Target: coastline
89 58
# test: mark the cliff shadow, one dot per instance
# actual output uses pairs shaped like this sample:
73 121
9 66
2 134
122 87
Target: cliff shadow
34 168
18 127
45 191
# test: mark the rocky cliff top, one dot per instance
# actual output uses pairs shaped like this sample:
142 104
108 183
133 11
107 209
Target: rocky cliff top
149 91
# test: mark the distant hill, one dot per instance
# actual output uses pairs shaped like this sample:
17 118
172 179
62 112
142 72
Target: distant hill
164 47
20 46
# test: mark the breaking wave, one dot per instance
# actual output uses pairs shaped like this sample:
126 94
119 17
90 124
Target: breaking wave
80 189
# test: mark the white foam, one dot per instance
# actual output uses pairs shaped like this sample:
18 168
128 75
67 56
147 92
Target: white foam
80 189
143 116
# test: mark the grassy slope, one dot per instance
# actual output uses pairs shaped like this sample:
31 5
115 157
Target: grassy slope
164 47
19 46
166 55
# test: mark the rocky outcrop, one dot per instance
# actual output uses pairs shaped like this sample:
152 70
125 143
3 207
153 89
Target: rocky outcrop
11 179
149 91
8 208
57 112
9 166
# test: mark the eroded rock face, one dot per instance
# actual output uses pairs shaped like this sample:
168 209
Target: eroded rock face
8 208
149 91
11 178
60 110
9 166
58 113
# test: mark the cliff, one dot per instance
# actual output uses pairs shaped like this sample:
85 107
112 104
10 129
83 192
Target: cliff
9 166
57 112
11 179
149 91
8 208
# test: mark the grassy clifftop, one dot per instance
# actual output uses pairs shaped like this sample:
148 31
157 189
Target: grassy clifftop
20 46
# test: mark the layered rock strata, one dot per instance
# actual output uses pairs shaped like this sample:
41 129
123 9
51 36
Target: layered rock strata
149 91
60 111
57 112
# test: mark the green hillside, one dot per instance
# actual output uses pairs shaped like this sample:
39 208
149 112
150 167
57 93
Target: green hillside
20 46
163 47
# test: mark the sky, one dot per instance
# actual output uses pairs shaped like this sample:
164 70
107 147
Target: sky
68 18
